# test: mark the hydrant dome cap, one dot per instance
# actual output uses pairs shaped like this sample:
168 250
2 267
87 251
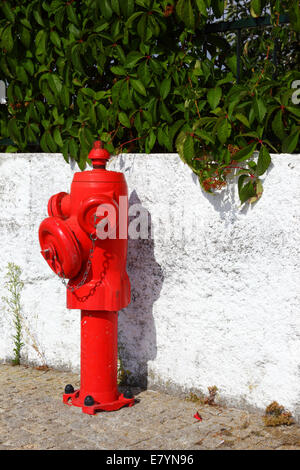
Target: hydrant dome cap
98 155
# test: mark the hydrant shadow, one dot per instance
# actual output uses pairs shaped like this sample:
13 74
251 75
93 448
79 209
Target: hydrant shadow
137 333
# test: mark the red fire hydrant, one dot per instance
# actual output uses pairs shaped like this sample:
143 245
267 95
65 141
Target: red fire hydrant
84 239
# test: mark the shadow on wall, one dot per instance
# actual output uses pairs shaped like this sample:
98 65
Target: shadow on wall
225 201
137 338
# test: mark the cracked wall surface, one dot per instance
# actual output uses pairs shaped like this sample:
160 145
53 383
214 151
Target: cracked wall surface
215 286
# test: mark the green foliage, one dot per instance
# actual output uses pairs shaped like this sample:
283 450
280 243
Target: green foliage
136 75
14 285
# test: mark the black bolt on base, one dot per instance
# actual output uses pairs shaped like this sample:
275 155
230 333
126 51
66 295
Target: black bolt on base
69 389
128 393
89 400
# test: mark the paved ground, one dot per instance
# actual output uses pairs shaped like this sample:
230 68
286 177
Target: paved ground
32 416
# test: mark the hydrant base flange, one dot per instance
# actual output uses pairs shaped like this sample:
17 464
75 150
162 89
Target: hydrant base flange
74 399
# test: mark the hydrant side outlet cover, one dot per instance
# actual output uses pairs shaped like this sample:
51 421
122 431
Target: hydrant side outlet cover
60 247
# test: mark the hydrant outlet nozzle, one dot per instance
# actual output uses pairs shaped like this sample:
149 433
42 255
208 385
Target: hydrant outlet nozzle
99 156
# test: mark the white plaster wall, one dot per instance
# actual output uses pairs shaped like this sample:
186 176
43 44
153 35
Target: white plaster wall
215 303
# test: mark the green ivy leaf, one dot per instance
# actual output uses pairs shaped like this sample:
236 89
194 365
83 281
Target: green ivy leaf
290 142
21 74
59 18
264 160
43 143
76 59
73 149
202 7
277 125
26 23
14 131
132 59
55 83
142 27
231 61
180 143
57 137
123 118
144 73
8 12
7 39
11 149
259 190
294 110
50 142
127 7
138 86
294 14
40 42
117 70
245 153
25 37
55 39
165 88
65 151
246 188
188 149
214 96
65 96
150 141
115 6
224 130
38 18
72 14
243 119
207 137
148 116
218 7
29 67
185 12
165 139
259 108
165 112
255 8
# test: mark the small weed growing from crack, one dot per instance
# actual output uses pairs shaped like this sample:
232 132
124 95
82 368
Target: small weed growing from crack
276 415
123 374
204 400
14 285
195 398
212 393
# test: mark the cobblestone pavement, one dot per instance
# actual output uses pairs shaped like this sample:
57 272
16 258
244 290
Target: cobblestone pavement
32 416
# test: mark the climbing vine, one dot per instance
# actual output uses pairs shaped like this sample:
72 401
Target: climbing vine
145 75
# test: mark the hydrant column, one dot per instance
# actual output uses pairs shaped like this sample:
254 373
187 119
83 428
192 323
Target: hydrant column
84 240
99 355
